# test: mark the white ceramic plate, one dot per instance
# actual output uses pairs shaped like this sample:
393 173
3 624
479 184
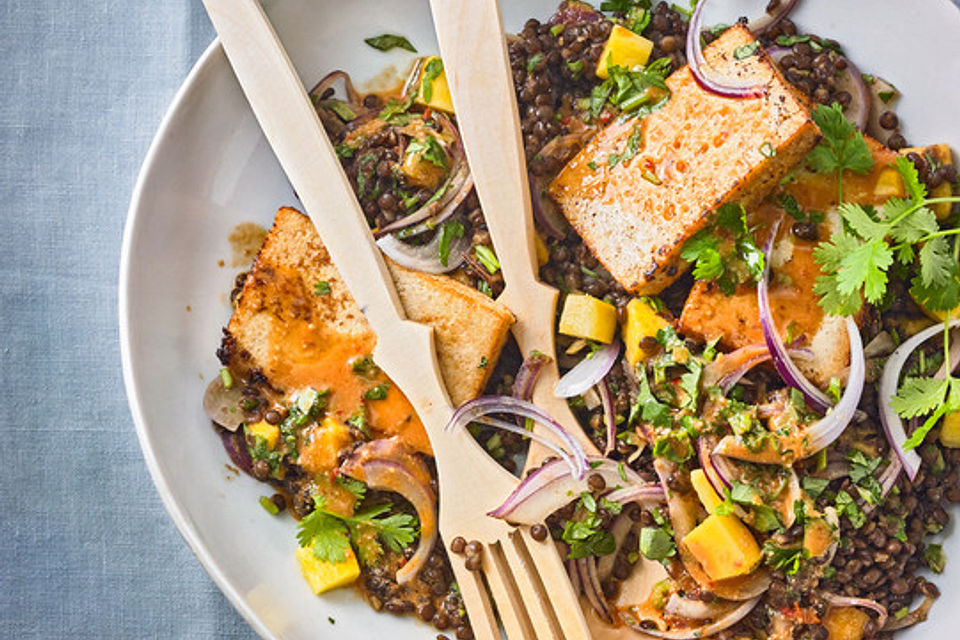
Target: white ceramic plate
209 169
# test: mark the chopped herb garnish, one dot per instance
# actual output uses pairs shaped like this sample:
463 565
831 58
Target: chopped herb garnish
715 259
747 50
843 147
378 392
556 30
326 533
657 544
321 288
483 362
226 378
344 150
847 506
395 111
448 231
785 559
651 177
767 150
575 67
592 165
487 258
533 61
389 41
270 506
430 150
364 366
935 557
430 73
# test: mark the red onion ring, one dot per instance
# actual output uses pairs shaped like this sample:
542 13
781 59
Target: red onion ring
609 416
697 62
384 464
917 615
889 381
678 606
852 81
326 82
424 258
622 526
574 574
545 211
553 486
733 617
588 372
728 368
587 567
222 405
526 379
837 600
478 408
236 447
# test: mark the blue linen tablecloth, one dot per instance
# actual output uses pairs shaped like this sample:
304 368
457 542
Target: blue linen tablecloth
86 549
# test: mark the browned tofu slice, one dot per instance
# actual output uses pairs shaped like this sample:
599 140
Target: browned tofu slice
735 320
298 337
699 151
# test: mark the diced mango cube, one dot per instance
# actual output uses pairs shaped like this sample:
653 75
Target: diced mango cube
543 254
942 209
817 537
950 430
323 576
724 547
588 317
845 623
708 497
263 429
324 444
439 89
624 48
642 322
420 172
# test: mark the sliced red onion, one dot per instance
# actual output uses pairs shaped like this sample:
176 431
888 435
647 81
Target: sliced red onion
574 574
917 615
587 568
222 405
384 464
728 368
681 607
837 600
851 81
591 370
236 447
715 467
697 63
733 617
878 105
553 486
353 96
784 365
546 212
889 382
647 493
609 416
519 428
621 526
768 21
479 407
887 479
526 379
424 258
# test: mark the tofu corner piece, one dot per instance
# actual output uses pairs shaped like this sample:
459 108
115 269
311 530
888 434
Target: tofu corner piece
699 151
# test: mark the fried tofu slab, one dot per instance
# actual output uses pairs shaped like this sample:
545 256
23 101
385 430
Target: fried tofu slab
709 313
296 322
697 152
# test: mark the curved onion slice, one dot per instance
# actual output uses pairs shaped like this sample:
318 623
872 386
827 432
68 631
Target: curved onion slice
553 486
609 416
728 368
837 600
236 446
546 212
619 530
734 616
424 258
327 82
883 96
574 574
681 607
917 615
889 381
527 376
816 398
768 21
851 81
385 464
475 411
587 567
698 63
588 372
222 405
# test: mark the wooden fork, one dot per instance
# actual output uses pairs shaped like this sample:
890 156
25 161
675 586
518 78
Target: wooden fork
474 52
517 569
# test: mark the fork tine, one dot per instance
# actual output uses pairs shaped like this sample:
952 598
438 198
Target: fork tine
506 595
483 620
531 587
548 565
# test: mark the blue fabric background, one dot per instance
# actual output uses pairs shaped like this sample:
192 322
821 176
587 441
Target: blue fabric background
86 549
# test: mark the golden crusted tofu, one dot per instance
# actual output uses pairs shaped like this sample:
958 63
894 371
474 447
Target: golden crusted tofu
709 313
698 151
300 337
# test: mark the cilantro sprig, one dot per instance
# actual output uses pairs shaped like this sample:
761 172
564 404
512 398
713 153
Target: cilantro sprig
843 147
726 252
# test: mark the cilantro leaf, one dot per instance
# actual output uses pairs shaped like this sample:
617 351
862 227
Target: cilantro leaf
703 250
657 544
430 73
860 221
866 267
919 396
938 297
325 534
936 262
448 231
843 147
911 179
389 41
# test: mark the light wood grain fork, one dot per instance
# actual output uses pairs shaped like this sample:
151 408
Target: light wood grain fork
528 586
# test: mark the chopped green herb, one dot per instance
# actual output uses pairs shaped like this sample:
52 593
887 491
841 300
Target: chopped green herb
344 151
747 50
533 61
226 378
657 544
651 177
935 557
814 486
378 392
843 147
430 73
575 67
270 506
592 165
767 150
450 230
847 506
364 366
785 559
389 41
321 288
556 30
483 362
395 111
487 258
430 150
886 96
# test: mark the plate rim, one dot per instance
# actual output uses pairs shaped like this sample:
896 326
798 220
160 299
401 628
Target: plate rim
204 64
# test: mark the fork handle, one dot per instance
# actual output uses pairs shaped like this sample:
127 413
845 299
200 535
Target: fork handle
293 129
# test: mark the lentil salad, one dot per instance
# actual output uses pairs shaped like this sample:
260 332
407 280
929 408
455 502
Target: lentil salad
554 67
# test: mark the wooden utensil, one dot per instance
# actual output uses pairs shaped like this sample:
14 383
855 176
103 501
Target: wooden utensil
514 566
474 53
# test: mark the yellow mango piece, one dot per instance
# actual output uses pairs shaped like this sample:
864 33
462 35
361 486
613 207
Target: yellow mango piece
326 441
439 89
708 497
543 254
724 547
323 576
588 317
624 48
421 172
942 209
950 430
642 322
817 537
265 430
845 623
